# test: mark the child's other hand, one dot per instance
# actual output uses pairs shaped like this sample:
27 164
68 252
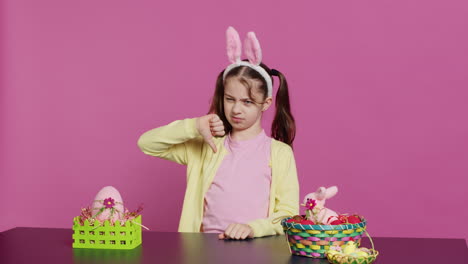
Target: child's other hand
237 231
210 126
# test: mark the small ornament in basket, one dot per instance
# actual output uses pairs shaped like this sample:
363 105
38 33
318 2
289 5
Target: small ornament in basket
107 225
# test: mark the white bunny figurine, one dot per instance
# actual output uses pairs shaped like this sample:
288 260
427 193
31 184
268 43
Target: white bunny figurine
320 214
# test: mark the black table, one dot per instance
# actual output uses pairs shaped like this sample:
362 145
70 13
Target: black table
54 245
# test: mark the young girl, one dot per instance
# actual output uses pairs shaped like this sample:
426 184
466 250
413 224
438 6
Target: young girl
238 179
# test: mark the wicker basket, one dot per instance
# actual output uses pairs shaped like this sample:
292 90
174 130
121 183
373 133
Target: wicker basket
314 240
340 259
107 236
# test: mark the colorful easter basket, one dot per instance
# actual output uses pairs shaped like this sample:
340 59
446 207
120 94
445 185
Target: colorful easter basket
107 236
314 240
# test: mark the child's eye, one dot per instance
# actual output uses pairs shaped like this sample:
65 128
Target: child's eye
248 102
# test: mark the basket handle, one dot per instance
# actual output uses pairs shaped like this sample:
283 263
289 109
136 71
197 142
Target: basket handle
370 238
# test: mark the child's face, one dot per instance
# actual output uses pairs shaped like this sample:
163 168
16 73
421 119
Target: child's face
240 109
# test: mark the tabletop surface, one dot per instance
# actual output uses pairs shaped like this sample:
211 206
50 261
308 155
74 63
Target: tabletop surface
54 245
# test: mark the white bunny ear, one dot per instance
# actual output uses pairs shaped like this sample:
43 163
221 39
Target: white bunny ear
330 192
252 49
234 45
320 193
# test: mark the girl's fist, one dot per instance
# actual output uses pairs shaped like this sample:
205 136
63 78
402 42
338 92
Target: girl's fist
210 126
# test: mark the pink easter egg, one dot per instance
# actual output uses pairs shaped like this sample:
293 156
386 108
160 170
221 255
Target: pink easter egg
109 199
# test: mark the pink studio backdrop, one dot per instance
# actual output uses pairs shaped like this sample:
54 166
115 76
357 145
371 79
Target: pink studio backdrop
378 89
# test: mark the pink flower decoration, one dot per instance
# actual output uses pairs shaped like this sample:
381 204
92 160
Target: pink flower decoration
109 202
310 204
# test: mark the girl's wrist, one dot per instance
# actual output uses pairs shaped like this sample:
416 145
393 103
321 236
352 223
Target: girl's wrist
197 124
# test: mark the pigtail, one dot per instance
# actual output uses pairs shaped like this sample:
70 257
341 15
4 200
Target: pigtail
284 126
217 103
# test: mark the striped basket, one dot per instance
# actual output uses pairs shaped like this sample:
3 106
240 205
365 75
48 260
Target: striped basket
314 240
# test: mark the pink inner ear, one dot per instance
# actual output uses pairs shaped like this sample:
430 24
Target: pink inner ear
234 46
252 49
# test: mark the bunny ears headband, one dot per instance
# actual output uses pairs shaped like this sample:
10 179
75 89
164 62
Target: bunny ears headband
252 50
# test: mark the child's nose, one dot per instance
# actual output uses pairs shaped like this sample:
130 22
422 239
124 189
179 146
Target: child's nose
236 108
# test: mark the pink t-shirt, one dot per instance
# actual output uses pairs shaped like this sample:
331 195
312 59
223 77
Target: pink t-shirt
240 190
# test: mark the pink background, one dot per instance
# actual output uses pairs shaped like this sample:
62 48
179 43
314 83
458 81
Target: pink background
378 89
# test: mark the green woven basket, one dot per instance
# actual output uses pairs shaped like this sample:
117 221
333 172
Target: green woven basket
314 240
107 236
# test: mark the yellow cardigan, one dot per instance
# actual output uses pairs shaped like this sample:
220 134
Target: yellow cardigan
180 141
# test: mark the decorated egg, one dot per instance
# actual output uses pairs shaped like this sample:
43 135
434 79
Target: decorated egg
307 222
108 204
354 219
336 222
